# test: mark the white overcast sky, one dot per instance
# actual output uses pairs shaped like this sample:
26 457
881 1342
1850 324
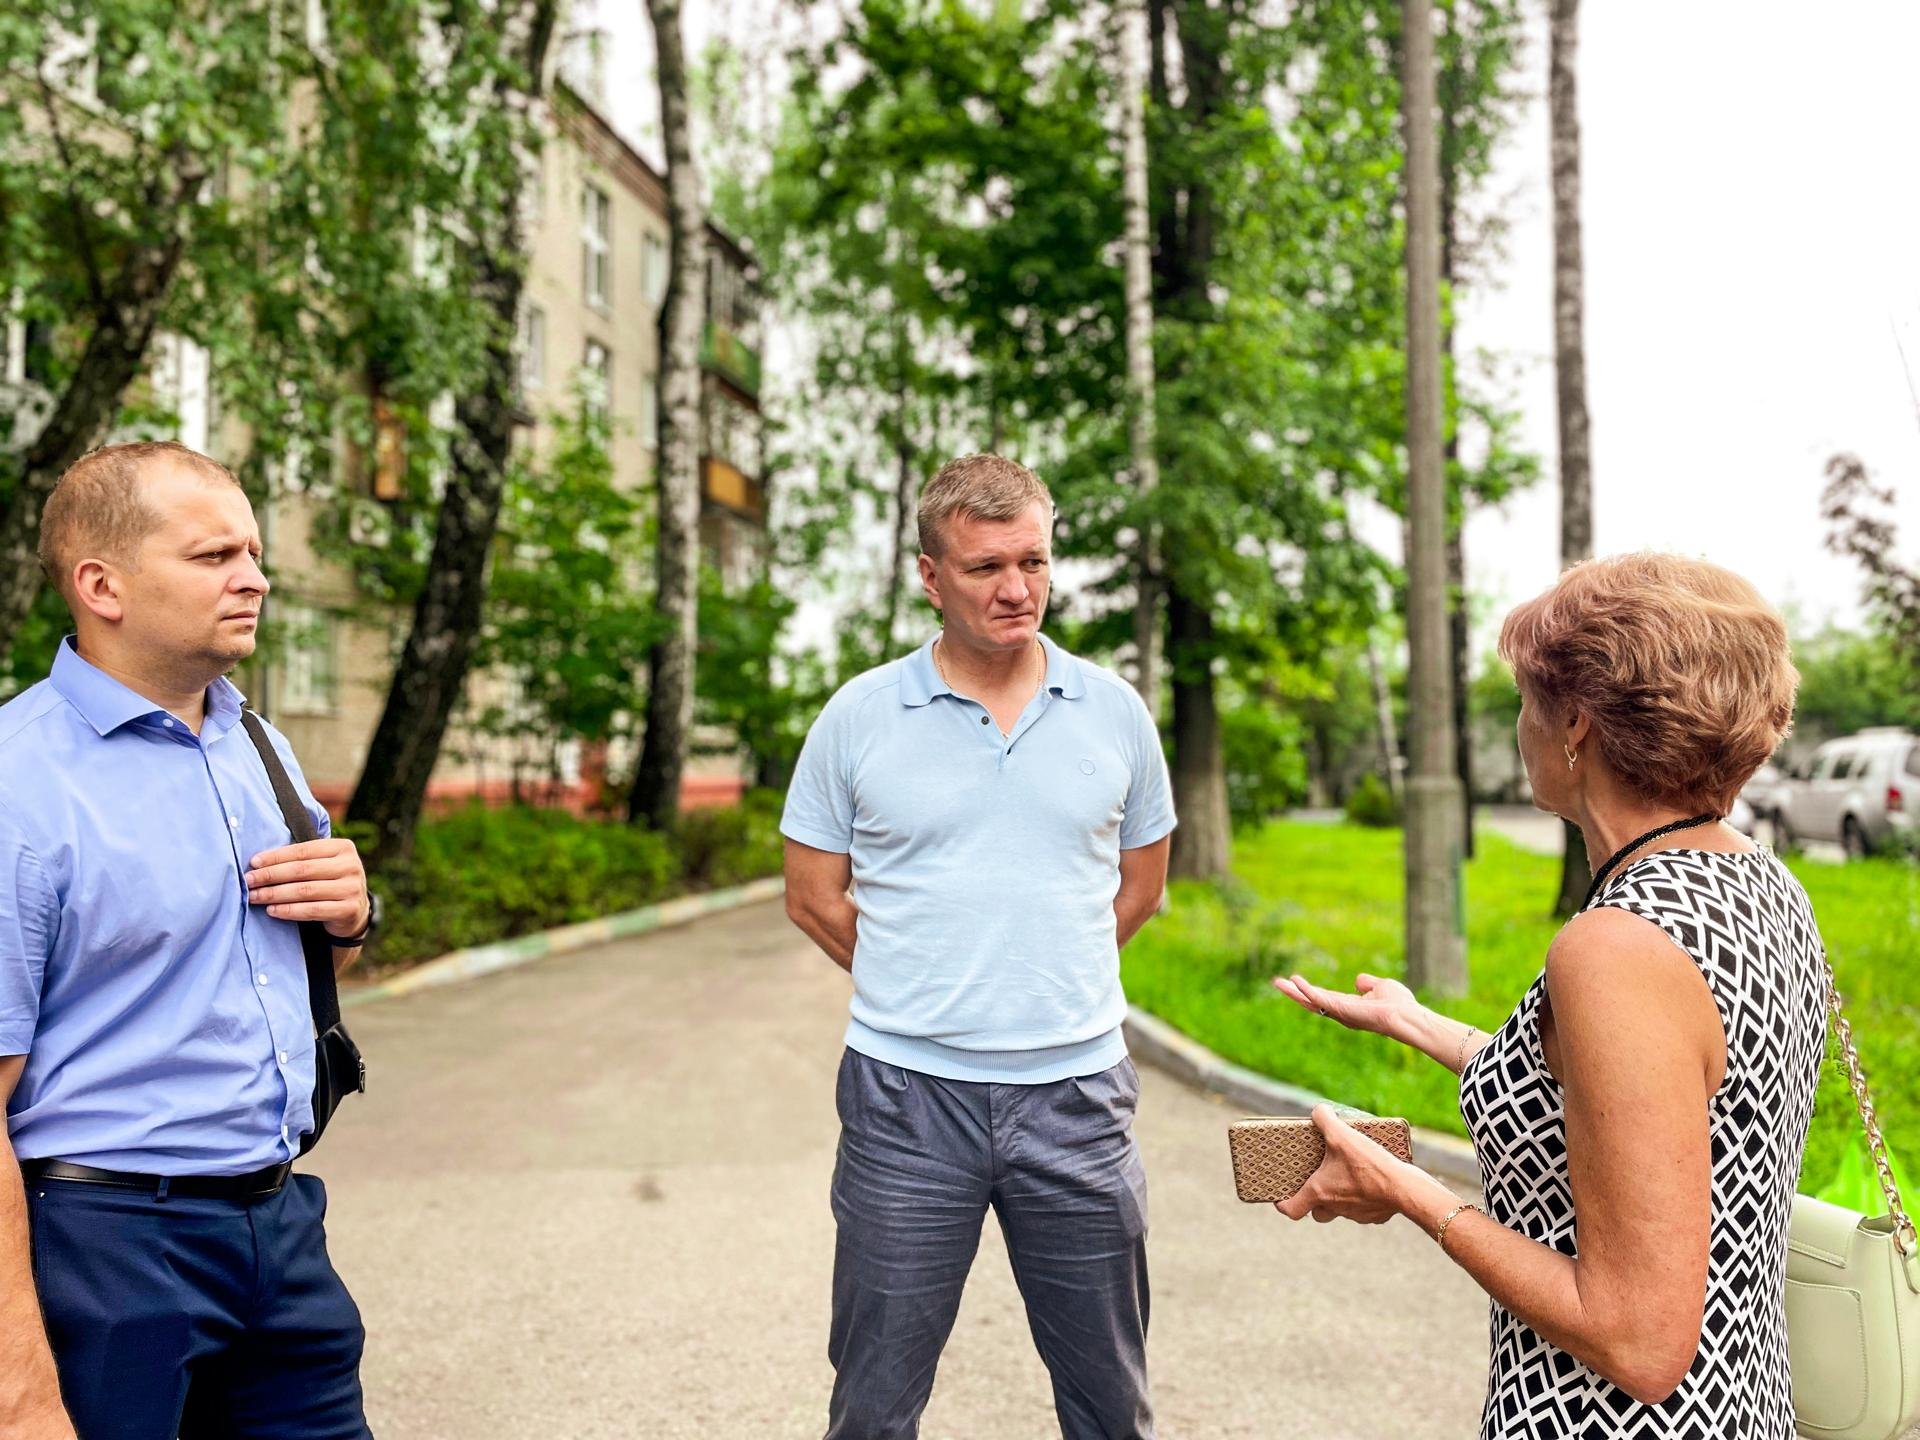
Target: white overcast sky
1752 233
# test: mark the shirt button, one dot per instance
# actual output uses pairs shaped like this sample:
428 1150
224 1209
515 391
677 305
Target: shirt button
168 722
261 977
234 821
283 1057
983 719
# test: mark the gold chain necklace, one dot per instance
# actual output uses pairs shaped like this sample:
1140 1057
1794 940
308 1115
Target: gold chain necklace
941 667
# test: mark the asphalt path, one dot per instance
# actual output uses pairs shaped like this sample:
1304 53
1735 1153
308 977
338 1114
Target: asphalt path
588 1198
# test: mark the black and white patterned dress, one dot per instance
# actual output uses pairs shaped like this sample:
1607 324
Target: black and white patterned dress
1745 921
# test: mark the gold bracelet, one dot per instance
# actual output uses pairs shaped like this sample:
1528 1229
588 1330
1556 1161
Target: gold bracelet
1460 1057
1440 1230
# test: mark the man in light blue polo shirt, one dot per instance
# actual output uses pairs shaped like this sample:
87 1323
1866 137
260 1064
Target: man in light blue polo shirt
1001 812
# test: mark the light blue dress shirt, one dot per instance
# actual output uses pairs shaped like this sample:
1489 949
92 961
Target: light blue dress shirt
164 1020
984 865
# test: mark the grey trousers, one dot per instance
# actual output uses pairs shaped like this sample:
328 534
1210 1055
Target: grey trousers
921 1160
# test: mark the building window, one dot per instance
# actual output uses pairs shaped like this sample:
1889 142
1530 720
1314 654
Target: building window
649 426
596 224
182 381
533 347
653 270
309 659
597 380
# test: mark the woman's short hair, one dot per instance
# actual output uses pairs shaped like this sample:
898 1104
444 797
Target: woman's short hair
988 487
1680 665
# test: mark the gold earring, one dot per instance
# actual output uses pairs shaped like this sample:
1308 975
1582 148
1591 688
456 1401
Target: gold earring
1571 756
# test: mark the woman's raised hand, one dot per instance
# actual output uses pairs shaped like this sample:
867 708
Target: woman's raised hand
1381 1006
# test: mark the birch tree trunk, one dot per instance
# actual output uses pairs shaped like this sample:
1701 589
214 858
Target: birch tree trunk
655 800
432 671
1384 735
1569 354
1147 632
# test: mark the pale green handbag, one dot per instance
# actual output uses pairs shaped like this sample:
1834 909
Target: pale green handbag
1853 1296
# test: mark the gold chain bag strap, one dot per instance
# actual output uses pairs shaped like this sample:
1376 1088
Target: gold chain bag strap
1853 1294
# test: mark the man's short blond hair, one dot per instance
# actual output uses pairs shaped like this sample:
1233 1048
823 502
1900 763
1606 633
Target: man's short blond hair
1680 665
98 508
987 487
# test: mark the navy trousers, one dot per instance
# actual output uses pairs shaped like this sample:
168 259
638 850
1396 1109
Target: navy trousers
921 1162
194 1318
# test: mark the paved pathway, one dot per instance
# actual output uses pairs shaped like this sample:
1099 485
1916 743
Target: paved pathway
588 1198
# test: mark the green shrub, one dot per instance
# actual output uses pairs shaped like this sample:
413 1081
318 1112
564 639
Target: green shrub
721 847
479 875
1263 753
1371 803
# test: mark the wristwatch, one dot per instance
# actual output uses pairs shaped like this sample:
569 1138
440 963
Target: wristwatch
351 942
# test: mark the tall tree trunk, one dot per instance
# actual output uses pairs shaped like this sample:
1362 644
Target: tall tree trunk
123 319
1182 265
1459 645
1202 844
1147 623
1569 355
655 800
431 675
902 526
1389 742
1459 634
1436 946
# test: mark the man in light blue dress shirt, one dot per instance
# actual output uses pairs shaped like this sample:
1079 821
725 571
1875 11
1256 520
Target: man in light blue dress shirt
1002 814
161 1273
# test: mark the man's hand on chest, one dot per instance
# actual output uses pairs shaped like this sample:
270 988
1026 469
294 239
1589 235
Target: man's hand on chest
319 880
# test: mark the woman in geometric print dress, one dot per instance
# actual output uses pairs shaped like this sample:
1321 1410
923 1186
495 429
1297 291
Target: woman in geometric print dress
1640 1117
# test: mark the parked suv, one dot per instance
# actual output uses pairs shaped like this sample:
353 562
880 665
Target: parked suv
1857 792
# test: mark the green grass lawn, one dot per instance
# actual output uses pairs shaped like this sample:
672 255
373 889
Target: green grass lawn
1326 901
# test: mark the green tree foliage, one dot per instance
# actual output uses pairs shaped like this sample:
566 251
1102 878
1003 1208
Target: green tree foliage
1860 528
566 618
323 189
1850 679
121 124
965 179
942 224
762 698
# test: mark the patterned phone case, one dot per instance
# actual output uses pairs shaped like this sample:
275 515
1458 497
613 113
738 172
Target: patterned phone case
1273 1156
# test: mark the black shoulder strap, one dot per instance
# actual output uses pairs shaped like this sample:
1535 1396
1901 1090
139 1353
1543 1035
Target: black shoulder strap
322 993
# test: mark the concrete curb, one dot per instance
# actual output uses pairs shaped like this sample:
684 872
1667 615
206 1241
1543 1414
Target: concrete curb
1153 1040
523 950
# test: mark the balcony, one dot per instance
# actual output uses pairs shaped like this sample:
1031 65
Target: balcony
725 485
727 355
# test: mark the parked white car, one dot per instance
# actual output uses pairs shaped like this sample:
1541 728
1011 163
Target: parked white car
1858 792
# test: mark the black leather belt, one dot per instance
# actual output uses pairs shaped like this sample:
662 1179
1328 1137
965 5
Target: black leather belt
257 1186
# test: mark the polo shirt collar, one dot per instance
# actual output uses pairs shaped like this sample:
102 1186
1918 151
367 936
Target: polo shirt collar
920 678
106 704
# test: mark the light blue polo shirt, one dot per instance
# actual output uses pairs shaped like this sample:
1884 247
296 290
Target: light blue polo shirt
984 866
